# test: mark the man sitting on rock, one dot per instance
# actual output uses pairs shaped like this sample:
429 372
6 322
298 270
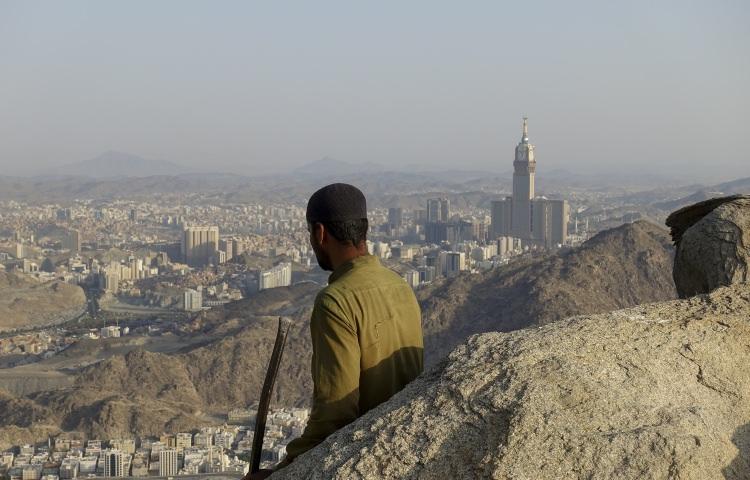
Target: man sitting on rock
365 326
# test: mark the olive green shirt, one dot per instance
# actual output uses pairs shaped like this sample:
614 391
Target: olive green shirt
366 330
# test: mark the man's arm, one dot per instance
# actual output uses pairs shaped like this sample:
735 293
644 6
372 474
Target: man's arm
335 374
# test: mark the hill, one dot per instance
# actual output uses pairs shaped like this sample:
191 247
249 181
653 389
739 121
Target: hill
25 302
625 266
631 394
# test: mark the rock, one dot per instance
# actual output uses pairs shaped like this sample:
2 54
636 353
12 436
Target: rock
713 244
655 391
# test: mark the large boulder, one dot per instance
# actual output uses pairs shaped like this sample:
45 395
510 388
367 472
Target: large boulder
659 391
713 244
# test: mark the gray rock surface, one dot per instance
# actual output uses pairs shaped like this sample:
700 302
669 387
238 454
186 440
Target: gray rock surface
713 244
659 391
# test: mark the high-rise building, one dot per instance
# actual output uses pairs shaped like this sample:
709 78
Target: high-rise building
114 463
501 215
20 251
72 241
550 221
226 245
192 300
395 217
535 221
438 210
168 463
278 276
111 281
451 263
524 169
445 210
199 245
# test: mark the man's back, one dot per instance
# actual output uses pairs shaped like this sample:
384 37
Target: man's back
367 345
382 307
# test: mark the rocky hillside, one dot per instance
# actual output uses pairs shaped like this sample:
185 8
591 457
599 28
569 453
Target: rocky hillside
656 391
25 302
622 267
148 392
230 370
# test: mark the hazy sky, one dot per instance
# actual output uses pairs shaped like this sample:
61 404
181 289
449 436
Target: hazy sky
254 87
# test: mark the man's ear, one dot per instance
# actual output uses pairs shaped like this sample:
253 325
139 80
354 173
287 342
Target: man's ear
319 232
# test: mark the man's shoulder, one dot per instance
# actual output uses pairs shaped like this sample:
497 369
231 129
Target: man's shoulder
372 275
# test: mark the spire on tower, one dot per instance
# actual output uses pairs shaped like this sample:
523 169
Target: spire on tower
525 137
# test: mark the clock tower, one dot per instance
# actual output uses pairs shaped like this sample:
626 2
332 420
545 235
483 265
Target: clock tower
524 168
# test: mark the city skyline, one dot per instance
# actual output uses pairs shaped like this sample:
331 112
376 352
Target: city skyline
254 90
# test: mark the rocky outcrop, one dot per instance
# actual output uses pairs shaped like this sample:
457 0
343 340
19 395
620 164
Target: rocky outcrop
713 244
656 391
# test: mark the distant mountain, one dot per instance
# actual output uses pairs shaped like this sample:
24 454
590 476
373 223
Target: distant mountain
739 186
118 164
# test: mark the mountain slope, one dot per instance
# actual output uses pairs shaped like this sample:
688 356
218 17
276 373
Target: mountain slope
617 268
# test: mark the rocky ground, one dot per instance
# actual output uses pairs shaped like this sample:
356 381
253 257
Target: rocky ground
657 391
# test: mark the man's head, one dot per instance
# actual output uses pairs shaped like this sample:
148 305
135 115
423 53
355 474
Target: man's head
337 220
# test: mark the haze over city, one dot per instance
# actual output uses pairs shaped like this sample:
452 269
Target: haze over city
254 89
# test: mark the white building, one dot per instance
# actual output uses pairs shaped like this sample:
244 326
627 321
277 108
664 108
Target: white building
192 300
168 466
114 463
109 332
278 276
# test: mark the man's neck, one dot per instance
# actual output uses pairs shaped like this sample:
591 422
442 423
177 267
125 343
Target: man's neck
347 255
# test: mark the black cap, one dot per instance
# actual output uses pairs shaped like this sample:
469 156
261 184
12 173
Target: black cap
335 203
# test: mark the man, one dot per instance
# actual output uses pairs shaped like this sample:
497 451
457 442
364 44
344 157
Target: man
366 324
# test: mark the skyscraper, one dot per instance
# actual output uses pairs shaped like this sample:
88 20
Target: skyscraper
72 240
438 210
433 210
199 245
524 169
536 221
445 210
395 217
